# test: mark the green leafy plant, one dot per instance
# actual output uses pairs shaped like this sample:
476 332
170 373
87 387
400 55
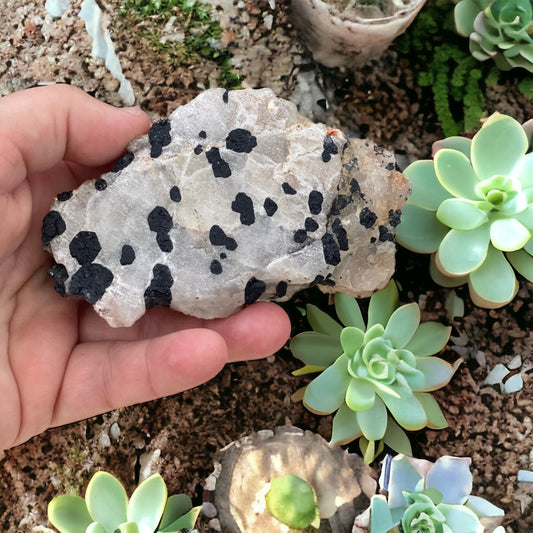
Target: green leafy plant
498 29
425 497
106 508
472 208
292 501
376 376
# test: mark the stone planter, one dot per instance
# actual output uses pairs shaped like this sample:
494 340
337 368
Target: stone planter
353 35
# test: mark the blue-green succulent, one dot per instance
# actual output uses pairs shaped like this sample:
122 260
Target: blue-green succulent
376 376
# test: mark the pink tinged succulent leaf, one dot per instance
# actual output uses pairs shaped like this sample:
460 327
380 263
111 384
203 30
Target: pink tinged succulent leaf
462 252
452 477
316 349
406 474
523 171
360 395
373 421
406 409
494 283
420 230
382 305
437 372
321 322
435 416
442 279
460 518
430 338
326 392
482 507
462 144
456 174
351 340
348 311
498 146
464 14
396 438
345 427
427 192
522 262
508 235
402 325
461 214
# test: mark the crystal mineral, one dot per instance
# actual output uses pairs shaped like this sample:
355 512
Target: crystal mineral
235 198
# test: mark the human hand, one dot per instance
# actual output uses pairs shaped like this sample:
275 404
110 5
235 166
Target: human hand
59 361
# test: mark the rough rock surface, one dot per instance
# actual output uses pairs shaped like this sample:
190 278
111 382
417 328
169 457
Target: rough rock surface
235 198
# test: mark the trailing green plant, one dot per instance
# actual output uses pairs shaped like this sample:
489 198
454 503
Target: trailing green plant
498 29
425 497
106 508
376 376
472 208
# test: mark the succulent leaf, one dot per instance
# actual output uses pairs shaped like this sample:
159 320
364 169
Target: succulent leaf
460 518
322 322
402 325
462 144
396 438
96 527
508 234
455 173
437 372
427 192
316 349
360 395
430 338
147 504
382 305
184 522
442 279
522 262
373 421
452 477
461 214
434 414
69 514
177 505
345 426
348 311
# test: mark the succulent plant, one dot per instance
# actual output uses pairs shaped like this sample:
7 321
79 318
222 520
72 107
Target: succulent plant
498 29
106 508
425 497
472 207
377 376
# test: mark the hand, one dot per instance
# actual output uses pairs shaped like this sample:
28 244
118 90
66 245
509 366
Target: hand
59 361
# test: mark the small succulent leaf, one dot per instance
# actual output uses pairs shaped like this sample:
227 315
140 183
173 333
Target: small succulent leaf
461 214
396 438
326 392
430 338
360 395
508 235
427 191
368 449
464 14
462 144
420 230
96 527
177 505
523 171
373 421
406 409
380 516
348 311
404 477
128 527
308 369
436 419
147 503
374 332
185 522
316 349
482 507
322 322
345 427
452 476
441 279
494 283
433 494
462 252
455 173
382 305
69 514
460 518
351 339
107 500
437 372
402 325
498 146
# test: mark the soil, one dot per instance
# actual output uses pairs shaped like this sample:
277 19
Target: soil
180 435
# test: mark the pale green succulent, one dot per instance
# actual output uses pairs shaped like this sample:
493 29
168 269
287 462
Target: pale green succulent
377 377
425 497
106 508
498 29
472 207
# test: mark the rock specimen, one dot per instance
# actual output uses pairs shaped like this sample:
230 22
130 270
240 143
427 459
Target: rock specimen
235 198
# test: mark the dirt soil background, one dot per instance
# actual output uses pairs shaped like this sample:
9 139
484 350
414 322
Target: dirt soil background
179 436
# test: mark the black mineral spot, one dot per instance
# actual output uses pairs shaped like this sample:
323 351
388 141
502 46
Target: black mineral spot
84 247
331 251
90 282
300 236
198 149
64 196
202 135
160 222
385 234
53 226
270 206
339 203
244 205
287 189
310 224
158 292
330 148
215 267
175 194
355 188
379 150
217 237
59 274
100 184
223 255
240 140
127 255
395 217
281 289
123 162
340 233
253 290
367 217
220 167
164 242
390 166
159 136
315 202
225 97
321 280
373 240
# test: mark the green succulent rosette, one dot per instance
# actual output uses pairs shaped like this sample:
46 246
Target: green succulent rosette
472 207
498 29
377 377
